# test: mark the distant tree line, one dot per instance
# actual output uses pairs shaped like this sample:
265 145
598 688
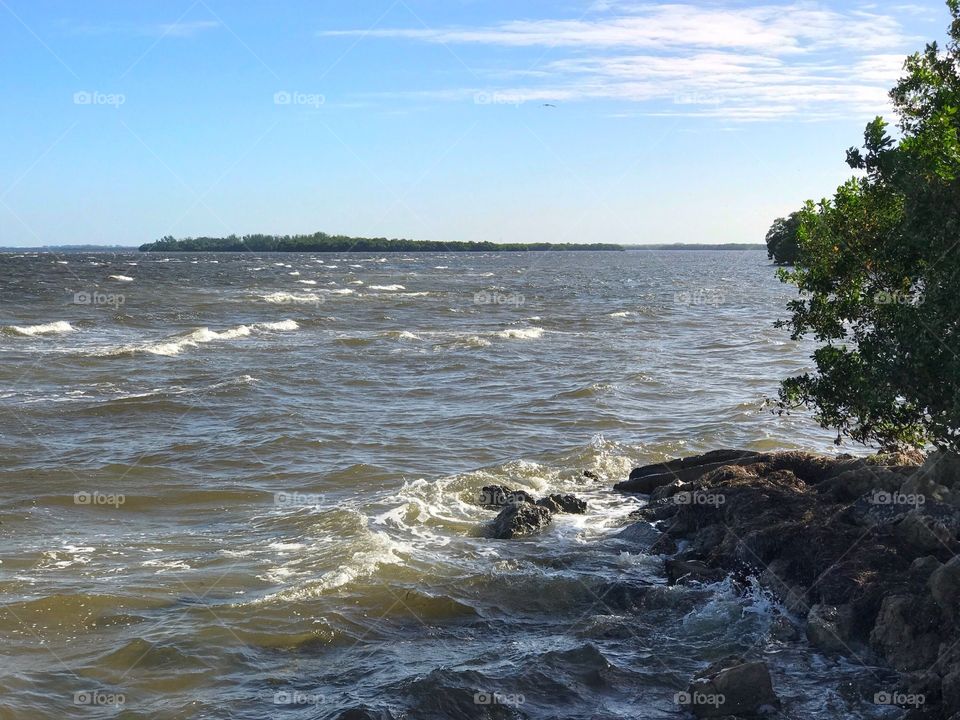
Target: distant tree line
322 242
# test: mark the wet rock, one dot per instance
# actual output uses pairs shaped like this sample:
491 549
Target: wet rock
830 628
869 480
922 568
944 584
645 537
732 687
692 571
950 689
563 503
494 497
665 492
518 520
648 478
590 475
923 533
906 632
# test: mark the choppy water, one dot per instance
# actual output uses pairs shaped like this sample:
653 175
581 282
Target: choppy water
243 485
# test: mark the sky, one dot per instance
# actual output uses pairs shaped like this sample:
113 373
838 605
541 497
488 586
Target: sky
501 120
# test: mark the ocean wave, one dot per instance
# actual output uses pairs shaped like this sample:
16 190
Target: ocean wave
121 278
620 314
286 298
530 333
52 328
387 288
200 336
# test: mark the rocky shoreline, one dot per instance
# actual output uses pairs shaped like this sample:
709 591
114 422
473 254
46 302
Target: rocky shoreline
861 552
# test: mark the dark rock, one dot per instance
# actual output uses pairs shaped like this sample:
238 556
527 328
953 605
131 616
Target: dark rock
494 497
950 689
944 584
830 628
924 533
906 632
563 503
648 478
645 537
869 480
732 687
519 519
365 714
590 475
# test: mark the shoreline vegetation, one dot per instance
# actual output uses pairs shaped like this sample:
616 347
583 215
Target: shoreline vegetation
322 242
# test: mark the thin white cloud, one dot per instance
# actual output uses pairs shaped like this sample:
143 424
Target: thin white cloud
176 29
804 60
775 29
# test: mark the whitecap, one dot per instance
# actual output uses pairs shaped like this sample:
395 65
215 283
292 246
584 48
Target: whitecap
532 333
388 288
621 313
307 282
52 328
285 298
121 278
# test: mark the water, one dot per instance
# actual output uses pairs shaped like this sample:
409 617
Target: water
243 485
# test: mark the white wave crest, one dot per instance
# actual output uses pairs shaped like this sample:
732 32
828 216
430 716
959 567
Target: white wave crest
531 333
53 328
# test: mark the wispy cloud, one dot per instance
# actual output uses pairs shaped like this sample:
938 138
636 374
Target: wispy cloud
736 62
175 29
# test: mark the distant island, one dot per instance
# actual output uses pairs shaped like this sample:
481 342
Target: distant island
322 242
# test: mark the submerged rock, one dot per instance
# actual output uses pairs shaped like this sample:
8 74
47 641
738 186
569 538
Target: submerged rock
692 571
563 503
518 520
731 687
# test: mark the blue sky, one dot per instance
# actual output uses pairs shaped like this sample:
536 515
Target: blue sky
429 119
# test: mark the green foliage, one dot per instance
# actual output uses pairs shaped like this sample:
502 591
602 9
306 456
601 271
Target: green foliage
878 271
321 242
782 239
